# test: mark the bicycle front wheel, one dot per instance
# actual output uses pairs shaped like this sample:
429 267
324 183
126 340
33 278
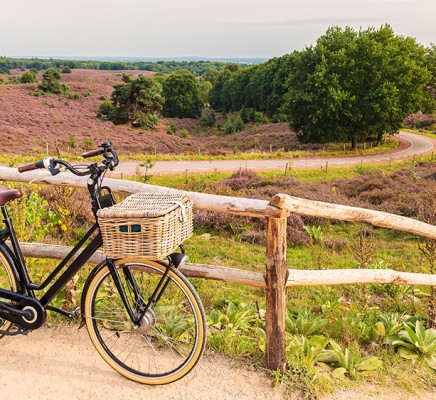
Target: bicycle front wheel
172 334
8 282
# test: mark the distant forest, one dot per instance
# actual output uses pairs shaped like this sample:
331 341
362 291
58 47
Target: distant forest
350 86
198 68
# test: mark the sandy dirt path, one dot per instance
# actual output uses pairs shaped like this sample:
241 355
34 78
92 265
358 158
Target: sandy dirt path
61 363
410 145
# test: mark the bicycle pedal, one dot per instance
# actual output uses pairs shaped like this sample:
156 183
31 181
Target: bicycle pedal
19 331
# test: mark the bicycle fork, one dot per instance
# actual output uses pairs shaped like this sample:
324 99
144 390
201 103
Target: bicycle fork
143 307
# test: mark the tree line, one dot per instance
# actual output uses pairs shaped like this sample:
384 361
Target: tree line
349 86
198 68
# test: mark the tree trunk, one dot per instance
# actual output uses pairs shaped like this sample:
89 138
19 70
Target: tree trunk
379 138
354 143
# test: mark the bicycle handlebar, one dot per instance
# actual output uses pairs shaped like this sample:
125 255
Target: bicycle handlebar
91 153
32 166
110 161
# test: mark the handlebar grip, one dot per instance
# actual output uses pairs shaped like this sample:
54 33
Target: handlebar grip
91 153
32 166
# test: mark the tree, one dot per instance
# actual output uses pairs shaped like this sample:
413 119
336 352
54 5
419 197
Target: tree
137 101
356 84
204 87
51 82
181 92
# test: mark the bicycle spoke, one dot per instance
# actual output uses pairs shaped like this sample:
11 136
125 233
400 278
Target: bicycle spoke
165 339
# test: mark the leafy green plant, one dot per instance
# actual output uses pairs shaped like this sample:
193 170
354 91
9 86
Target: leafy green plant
306 350
416 342
315 233
394 323
33 211
304 322
344 362
237 329
147 164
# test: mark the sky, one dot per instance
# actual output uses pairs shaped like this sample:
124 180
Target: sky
202 28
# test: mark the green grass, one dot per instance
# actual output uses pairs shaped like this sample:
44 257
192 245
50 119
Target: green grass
330 150
196 180
351 310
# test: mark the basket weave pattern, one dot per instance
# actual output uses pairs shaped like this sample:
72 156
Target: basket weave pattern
145 225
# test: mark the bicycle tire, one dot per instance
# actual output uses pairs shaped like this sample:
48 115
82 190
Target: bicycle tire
8 282
172 337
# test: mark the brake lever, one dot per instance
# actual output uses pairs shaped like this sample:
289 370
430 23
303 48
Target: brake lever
51 168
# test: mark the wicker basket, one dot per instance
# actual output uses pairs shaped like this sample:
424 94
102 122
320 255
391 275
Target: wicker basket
146 225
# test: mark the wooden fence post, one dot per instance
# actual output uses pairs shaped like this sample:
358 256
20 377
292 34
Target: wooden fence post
275 278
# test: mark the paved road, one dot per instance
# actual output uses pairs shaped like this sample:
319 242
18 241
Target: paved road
410 145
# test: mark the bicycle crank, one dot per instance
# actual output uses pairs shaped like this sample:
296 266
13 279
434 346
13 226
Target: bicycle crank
24 311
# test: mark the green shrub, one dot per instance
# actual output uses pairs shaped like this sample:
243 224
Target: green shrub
260 118
414 342
74 96
209 118
88 144
28 77
66 70
238 123
51 82
146 121
171 129
73 141
233 125
229 127
184 133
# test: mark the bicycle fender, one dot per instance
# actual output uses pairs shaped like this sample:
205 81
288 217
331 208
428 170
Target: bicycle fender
96 269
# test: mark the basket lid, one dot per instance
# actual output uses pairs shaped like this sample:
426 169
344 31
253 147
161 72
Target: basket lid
141 205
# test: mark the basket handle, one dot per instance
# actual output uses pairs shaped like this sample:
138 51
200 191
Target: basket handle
183 217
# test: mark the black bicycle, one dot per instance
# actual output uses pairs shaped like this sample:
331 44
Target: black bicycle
143 316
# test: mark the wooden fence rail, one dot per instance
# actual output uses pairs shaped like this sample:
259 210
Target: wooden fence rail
277 276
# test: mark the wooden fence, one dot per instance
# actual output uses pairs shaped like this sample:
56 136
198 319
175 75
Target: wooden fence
277 276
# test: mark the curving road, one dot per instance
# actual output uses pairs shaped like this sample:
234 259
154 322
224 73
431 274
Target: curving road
411 145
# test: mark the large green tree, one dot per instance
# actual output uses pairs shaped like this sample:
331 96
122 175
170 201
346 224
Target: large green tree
182 95
355 84
133 100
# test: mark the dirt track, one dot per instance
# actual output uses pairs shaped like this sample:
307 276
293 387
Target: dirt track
60 363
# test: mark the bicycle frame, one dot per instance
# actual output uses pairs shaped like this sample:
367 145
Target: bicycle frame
98 201
58 284
29 288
